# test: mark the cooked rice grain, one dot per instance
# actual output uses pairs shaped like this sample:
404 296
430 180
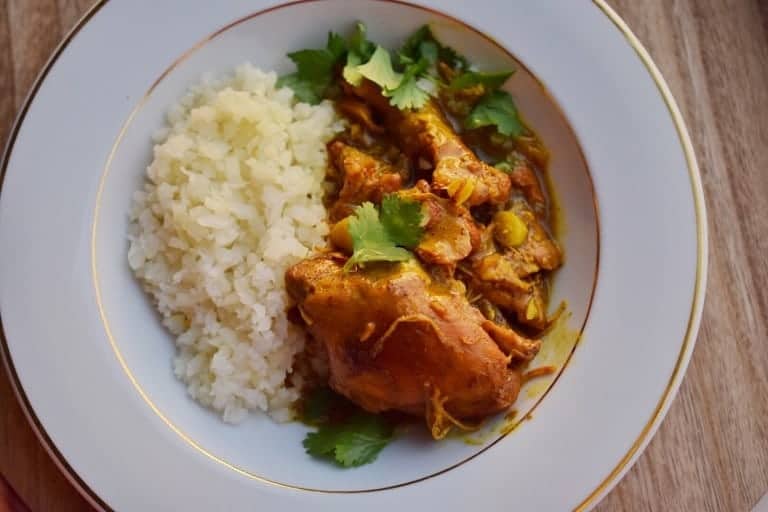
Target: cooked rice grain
233 198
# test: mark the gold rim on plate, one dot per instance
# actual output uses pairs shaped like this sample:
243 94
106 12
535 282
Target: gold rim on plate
687 342
701 264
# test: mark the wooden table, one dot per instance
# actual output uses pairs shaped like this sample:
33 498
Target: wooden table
711 453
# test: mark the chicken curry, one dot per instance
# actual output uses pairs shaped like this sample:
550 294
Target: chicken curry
432 295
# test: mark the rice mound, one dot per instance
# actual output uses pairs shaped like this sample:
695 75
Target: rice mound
233 198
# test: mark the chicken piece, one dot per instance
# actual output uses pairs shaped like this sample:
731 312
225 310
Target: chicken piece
538 247
358 111
528 304
515 242
428 138
514 344
511 277
366 178
450 233
496 278
398 340
524 179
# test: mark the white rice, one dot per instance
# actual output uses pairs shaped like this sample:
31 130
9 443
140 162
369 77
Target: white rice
233 198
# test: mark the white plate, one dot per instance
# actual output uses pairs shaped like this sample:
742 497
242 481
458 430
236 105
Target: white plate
92 366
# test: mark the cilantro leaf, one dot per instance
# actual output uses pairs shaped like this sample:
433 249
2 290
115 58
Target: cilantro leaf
322 442
372 252
315 65
430 51
314 69
350 72
354 443
336 46
414 48
361 440
427 50
410 49
491 81
403 89
379 70
365 228
496 109
360 51
453 58
305 90
381 237
359 43
402 220
408 94
370 240
417 56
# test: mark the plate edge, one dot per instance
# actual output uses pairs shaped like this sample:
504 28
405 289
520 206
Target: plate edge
627 461
699 291
53 452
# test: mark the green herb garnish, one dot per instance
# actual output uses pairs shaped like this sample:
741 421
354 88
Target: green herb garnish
496 109
402 220
423 43
355 442
360 50
359 43
408 94
314 70
386 235
370 239
490 81
354 439
402 88
350 71
305 90
401 80
379 70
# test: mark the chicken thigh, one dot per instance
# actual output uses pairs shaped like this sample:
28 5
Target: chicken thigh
398 340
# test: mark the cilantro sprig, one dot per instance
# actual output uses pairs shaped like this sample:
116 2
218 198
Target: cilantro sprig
401 79
402 220
386 235
353 443
370 239
409 94
496 109
404 77
378 69
359 43
402 88
490 81
423 43
314 70
350 441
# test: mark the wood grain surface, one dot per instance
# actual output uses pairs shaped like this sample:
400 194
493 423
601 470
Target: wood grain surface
711 452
